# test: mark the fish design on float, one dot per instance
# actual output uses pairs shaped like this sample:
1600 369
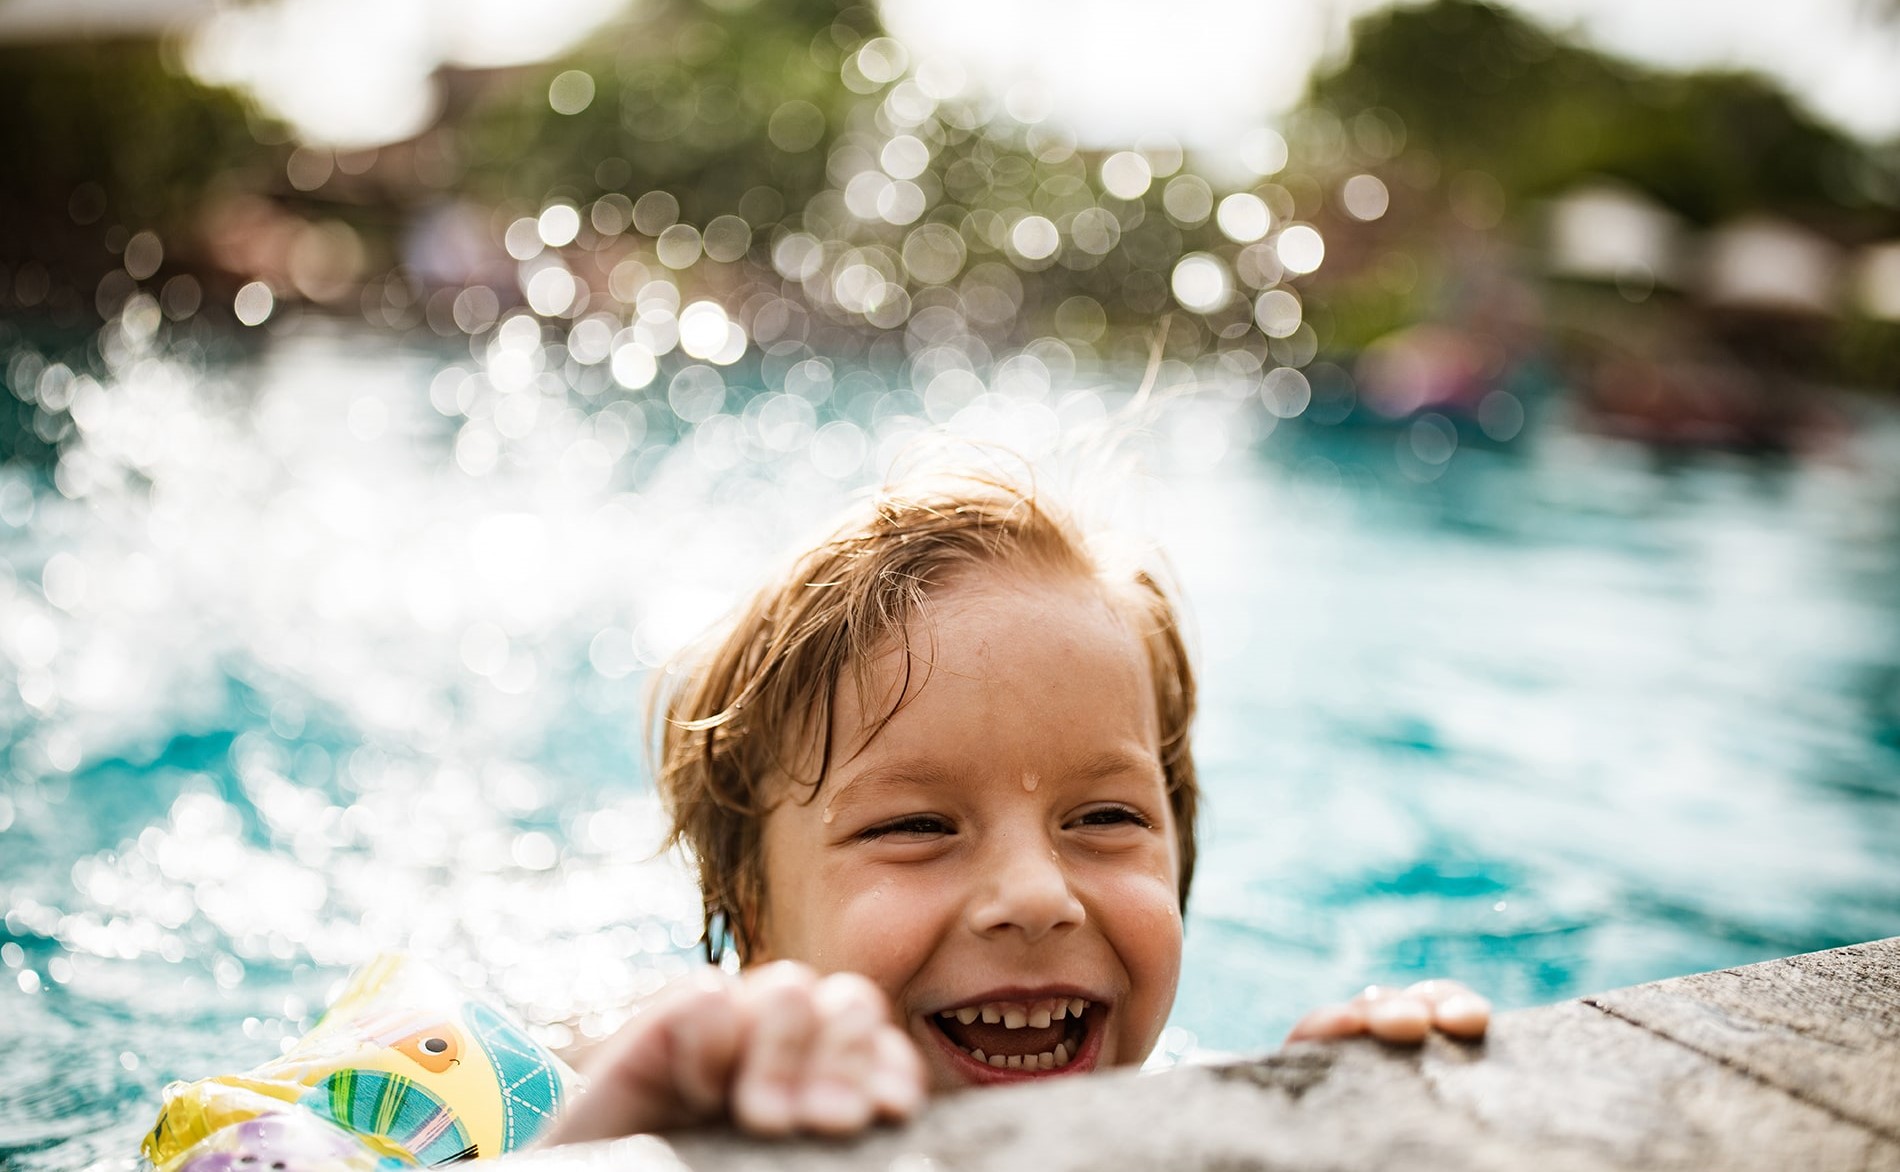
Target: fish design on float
402 1067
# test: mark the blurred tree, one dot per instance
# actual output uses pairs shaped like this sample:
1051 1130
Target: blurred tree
685 94
1484 89
105 133
104 140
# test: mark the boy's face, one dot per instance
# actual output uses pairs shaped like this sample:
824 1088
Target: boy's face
1003 847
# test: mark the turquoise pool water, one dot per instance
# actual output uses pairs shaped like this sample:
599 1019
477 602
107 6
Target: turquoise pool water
339 652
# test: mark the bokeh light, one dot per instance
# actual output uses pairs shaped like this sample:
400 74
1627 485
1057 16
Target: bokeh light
558 224
1301 248
1278 313
1201 283
253 303
1365 197
1126 175
571 91
1034 238
1244 217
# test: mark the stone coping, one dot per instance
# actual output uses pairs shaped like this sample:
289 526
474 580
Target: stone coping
1792 1063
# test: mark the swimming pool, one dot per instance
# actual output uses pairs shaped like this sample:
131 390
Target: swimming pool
343 650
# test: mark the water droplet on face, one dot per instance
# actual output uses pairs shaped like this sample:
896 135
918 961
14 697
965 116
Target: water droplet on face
1030 782
827 815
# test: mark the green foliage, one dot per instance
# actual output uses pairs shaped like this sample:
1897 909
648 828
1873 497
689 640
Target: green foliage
1363 310
1869 353
111 114
1486 90
685 96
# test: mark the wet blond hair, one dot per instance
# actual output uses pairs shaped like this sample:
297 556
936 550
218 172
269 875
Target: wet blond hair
751 710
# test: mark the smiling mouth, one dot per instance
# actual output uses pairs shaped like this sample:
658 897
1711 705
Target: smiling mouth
1044 1034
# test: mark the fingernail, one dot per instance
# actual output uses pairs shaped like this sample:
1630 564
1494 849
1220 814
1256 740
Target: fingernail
1464 1006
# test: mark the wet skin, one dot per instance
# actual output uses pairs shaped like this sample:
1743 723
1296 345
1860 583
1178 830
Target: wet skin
1005 838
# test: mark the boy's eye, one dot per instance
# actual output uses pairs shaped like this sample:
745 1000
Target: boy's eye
1114 815
914 824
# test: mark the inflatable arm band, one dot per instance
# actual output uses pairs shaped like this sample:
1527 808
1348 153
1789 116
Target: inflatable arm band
402 1070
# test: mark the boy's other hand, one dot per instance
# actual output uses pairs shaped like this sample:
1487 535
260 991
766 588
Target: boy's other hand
779 1049
1400 1015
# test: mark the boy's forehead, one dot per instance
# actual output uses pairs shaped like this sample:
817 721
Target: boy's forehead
917 691
986 617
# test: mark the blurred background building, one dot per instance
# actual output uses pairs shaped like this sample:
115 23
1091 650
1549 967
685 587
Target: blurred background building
1288 182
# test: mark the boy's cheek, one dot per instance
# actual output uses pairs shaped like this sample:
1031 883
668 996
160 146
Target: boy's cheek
1150 900
883 931
1145 929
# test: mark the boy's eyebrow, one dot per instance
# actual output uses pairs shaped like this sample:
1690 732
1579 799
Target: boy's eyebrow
1110 762
924 773
917 774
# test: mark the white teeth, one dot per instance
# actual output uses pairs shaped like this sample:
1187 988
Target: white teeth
1014 1015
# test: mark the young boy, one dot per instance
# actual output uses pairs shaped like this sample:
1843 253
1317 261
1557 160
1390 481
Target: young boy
938 782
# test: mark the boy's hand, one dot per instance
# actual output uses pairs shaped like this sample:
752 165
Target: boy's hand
1400 1015
776 1050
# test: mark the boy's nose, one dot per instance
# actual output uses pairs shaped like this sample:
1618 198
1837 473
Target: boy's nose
1025 889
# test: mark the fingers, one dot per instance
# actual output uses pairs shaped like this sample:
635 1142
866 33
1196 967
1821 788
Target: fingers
706 1034
897 1075
822 1056
1403 1016
782 1025
1330 1021
665 1068
1393 1016
1456 1010
861 1066
836 1098
1464 1016
777 1050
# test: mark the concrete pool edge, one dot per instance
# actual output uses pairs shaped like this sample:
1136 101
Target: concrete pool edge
1788 1063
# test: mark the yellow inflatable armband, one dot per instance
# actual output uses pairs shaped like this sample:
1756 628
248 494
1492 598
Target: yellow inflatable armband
402 1070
